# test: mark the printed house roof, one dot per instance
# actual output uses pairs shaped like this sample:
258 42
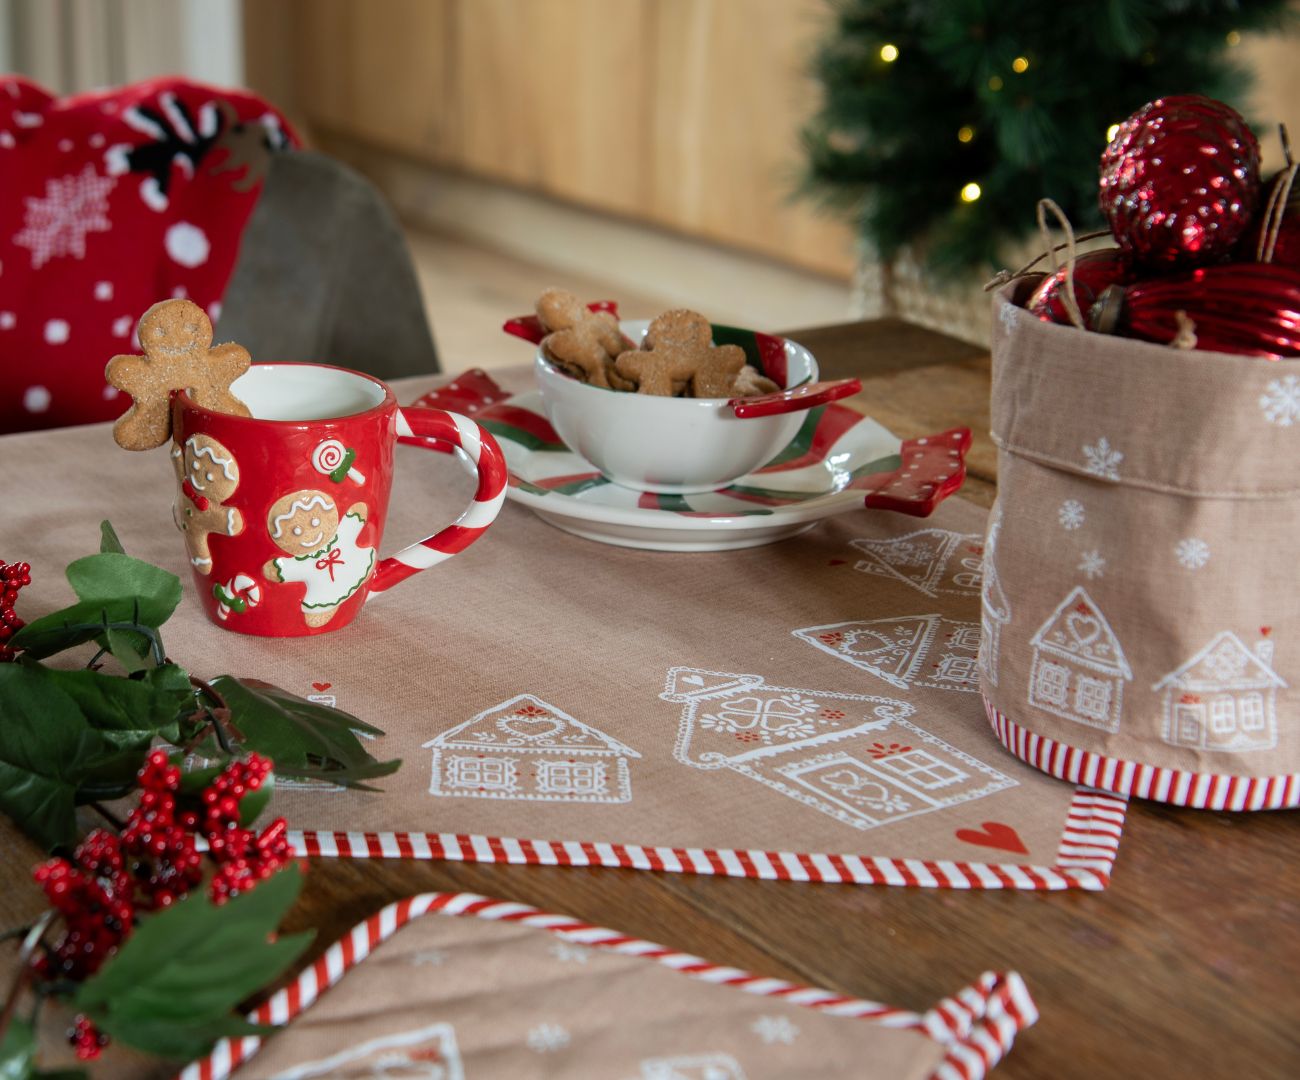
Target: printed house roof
527 724
1223 664
1078 631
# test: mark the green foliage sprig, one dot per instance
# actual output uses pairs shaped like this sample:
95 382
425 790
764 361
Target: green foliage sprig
923 97
72 737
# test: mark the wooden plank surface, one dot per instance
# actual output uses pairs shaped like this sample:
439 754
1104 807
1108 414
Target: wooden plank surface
1185 967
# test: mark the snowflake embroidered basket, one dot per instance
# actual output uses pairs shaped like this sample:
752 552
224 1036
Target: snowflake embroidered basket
1141 624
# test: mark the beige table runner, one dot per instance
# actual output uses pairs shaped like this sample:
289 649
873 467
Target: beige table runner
506 990
807 710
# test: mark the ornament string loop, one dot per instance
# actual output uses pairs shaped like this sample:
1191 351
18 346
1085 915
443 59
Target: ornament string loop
1003 277
1068 300
1275 211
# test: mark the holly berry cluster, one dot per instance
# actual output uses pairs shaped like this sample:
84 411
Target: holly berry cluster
1207 253
152 864
13 576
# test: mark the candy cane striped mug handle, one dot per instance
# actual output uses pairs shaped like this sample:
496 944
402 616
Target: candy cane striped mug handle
437 429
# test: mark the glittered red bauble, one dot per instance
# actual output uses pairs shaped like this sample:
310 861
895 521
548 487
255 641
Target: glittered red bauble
1180 182
1094 272
1247 308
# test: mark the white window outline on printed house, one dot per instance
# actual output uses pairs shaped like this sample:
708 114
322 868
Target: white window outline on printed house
1079 669
502 753
995 611
405 1050
866 766
692 1067
899 650
1223 699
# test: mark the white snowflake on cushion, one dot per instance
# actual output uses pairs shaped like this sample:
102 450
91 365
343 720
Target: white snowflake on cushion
1071 515
568 953
1103 459
1280 403
428 958
1192 552
774 1029
1092 565
545 1038
73 206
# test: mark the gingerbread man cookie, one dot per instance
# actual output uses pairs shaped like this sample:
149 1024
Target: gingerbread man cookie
581 342
208 475
678 349
176 336
320 551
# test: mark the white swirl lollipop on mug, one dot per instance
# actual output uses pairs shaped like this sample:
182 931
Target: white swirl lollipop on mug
335 460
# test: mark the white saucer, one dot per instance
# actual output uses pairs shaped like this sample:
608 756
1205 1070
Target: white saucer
839 461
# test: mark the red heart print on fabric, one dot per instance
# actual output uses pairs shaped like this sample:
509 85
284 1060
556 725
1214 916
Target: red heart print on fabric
321 687
994 834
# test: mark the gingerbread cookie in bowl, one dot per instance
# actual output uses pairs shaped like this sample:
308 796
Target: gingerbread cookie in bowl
320 551
581 342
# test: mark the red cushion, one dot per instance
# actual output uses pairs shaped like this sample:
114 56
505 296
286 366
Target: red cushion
109 202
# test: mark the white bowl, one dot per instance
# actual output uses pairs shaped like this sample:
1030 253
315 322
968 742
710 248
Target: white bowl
671 446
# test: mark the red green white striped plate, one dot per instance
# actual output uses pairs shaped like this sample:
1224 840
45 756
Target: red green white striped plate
839 461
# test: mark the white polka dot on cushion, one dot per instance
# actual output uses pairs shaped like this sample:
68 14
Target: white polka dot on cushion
179 293
97 140
187 244
7 320
110 392
57 331
214 311
122 326
65 145
103 290
36 399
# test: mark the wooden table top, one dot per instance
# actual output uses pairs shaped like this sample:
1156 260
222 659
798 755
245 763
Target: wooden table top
1187 966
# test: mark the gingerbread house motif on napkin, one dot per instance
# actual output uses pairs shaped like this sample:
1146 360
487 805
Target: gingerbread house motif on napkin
932 560
1079 668
1223 698
851 756
527 749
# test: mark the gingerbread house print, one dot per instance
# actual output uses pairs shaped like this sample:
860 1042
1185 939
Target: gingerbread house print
1079 668
428 1052
1222 699
911 650
854 757
932 560
527 749
995 612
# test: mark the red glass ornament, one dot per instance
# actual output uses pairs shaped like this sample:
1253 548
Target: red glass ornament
1094 272
1247 308
1180 182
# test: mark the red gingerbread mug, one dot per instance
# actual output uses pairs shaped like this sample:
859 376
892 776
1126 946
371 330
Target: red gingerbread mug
283 512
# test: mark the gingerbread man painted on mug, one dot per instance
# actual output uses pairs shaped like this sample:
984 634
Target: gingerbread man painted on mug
321 551
208 475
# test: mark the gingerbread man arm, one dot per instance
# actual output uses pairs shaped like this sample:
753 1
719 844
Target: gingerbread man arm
359 510
571 351
223 365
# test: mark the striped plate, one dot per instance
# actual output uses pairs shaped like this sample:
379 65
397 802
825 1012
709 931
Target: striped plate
839 461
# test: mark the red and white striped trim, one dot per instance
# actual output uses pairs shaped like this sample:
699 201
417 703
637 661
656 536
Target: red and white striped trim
1203 791
1086 854
977 1026
439 429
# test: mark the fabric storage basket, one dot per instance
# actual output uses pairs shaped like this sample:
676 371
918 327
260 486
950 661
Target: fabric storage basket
1141 597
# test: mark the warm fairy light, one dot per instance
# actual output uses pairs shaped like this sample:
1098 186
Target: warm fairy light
995 83
1111 132
965 133
889 53
1020 65
970 192
1232 37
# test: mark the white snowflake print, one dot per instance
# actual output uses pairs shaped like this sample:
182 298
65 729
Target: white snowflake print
1008 316
1092 565
1280 403
1071 515
428 958
545 1038
774 1029
567 953
1103 459
73 206
1192 553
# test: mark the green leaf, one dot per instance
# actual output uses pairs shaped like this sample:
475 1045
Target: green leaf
171 988
72 626
18 1051
47 751
129 711
303 738
111 576
194 781
108 541
122 645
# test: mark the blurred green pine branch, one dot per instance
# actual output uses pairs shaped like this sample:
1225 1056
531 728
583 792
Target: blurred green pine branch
883 151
